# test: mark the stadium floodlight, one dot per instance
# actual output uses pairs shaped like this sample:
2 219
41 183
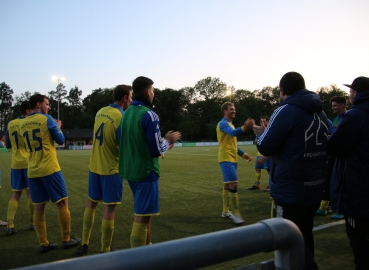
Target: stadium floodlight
229 92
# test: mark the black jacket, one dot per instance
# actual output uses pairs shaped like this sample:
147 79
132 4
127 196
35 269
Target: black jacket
350 176
296 137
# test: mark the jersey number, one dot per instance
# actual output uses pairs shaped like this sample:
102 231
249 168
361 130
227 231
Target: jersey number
99 135
35 138
314 129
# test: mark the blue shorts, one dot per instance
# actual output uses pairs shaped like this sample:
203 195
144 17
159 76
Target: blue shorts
229 170
145 197
19 179
105 188
266 165
48 188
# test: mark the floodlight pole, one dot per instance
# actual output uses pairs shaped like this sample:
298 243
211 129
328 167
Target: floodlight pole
56 78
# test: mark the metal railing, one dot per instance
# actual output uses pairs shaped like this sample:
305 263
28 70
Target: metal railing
276 234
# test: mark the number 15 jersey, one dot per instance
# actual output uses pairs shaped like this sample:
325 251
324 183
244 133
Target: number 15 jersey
104 158
39 132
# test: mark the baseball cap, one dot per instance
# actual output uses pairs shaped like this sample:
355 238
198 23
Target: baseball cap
360 84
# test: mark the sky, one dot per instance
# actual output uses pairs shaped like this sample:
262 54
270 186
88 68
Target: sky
246 44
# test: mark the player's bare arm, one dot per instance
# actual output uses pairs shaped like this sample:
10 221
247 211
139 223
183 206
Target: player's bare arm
258 129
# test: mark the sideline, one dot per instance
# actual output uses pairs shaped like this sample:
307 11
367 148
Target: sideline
328 225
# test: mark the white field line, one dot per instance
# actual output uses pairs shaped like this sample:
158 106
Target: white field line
190 154
328 225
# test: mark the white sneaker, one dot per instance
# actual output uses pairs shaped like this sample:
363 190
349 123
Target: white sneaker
237 219
227 215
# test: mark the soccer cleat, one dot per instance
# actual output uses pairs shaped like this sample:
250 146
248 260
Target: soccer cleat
267 188
321 212
32 227
227 215
73 242
237 219
338 216
51 246
10 231
82 249
254 187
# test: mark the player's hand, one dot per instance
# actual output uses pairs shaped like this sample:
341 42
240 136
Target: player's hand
172 136
59 123
170 146
249 123
247 157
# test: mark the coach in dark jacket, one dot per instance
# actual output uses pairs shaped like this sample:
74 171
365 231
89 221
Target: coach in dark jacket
350 176
296 137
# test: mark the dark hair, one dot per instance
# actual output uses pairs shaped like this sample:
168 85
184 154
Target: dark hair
36 98
338 99
225 106
120 91
292 82
24 107
140 85
265 117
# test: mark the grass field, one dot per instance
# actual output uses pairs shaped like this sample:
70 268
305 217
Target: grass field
191 204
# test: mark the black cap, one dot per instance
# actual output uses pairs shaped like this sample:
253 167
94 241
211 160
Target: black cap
360 84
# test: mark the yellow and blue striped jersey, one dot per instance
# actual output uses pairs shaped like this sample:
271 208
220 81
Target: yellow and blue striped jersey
104 157
17 144
227 139
39 132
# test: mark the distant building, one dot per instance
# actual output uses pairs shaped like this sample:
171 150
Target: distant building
78 138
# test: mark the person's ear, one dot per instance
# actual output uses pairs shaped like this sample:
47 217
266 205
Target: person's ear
283 92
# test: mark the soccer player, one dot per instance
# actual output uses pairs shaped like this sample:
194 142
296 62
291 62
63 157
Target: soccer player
261 161
18 175
227 158
2 141
296 138
104 182
40 132
339 108
350 182
140 147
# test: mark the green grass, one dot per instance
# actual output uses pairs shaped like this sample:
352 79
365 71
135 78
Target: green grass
191 204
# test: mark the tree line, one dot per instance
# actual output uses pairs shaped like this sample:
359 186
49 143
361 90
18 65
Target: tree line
195 111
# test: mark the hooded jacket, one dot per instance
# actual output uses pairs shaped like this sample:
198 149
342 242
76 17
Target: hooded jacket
296 137
350 144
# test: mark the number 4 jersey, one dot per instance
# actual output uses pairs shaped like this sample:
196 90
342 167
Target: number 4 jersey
104 158
39 131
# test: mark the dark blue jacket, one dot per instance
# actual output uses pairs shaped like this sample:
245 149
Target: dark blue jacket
296 137
350 176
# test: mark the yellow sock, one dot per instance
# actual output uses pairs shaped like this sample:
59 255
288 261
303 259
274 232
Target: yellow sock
30 207
107 229
272 210
233 196
12 209
138 234
88 223
324 205
64 222
40 225
257 177
225 200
